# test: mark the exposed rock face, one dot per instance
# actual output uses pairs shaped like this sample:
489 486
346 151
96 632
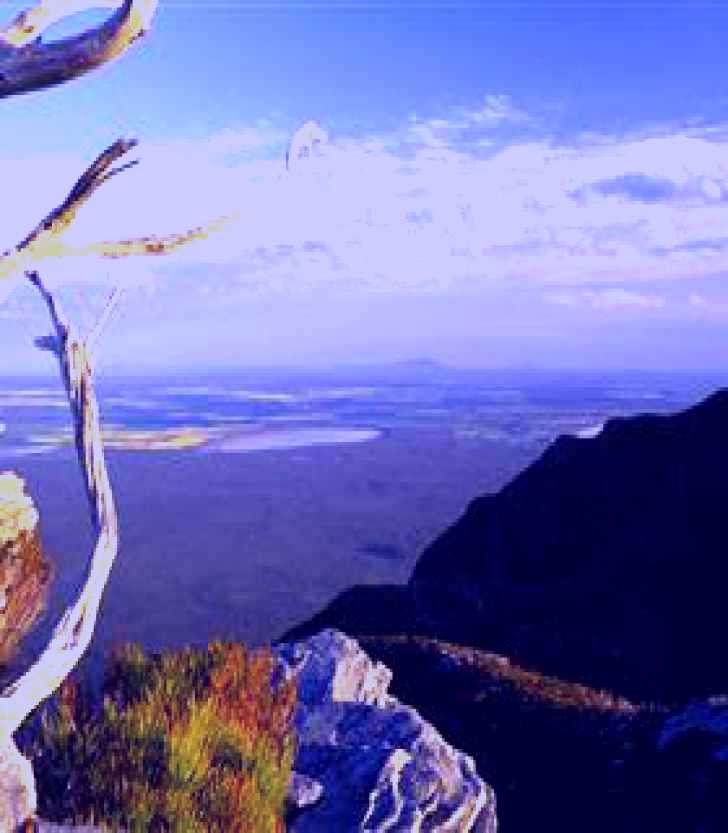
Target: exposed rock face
24 579
381 766
18 798
601 563
24 573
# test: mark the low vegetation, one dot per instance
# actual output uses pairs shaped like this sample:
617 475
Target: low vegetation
196 741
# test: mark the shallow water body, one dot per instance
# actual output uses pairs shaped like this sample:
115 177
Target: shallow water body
305 487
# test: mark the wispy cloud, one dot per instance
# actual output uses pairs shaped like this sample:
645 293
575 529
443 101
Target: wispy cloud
606 299
446 204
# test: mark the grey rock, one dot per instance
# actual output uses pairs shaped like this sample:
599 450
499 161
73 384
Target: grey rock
365 762
302 792
692 765
382 767
706 717
332 667
17 787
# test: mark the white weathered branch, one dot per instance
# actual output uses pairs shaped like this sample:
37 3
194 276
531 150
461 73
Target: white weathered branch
28 64
46 239
73 633
110 307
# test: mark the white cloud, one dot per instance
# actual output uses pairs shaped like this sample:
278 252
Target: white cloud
495 110
612 298
606 299
418 209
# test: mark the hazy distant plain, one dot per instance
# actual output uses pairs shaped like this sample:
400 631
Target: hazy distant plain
244 544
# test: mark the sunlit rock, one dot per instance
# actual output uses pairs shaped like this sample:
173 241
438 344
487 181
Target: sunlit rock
382 767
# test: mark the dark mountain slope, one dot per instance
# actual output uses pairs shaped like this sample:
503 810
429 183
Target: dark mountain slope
604 563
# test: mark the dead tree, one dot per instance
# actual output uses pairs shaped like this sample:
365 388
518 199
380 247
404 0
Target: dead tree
27 64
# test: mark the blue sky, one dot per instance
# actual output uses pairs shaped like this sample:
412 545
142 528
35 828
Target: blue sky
504 184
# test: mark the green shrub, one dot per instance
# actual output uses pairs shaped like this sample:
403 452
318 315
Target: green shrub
195 741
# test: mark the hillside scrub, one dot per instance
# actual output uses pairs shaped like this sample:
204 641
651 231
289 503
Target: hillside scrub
195 741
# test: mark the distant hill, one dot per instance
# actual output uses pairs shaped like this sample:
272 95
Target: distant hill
422 363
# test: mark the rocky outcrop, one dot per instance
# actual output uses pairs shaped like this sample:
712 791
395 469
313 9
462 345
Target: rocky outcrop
365 763
24 573
601 563
381 767
24 580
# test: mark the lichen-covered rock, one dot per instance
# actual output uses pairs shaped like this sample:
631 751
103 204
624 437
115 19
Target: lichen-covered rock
24 573
382 767
17 512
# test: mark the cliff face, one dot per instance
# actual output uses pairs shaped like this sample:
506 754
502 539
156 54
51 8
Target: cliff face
601 566
601 563
24 572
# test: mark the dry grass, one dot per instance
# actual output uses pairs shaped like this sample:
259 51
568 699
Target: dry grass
532 685
195 741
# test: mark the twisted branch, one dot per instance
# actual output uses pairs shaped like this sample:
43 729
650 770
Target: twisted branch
73 633
28 64
46 239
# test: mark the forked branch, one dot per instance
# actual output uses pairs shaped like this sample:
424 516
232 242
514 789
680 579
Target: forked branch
28 64
46 239
73 633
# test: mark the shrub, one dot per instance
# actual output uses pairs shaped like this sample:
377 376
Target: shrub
196 741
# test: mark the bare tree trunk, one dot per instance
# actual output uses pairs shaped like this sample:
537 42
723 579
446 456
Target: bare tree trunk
73 633
26 64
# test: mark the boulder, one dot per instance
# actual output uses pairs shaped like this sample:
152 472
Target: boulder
381 766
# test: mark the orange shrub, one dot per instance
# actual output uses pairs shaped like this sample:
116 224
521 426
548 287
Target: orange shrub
196 741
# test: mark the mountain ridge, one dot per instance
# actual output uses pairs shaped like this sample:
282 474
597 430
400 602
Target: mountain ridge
599 563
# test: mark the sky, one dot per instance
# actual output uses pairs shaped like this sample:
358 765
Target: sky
505 184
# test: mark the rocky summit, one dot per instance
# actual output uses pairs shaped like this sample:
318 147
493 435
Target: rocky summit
365 762
380 766
601 563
